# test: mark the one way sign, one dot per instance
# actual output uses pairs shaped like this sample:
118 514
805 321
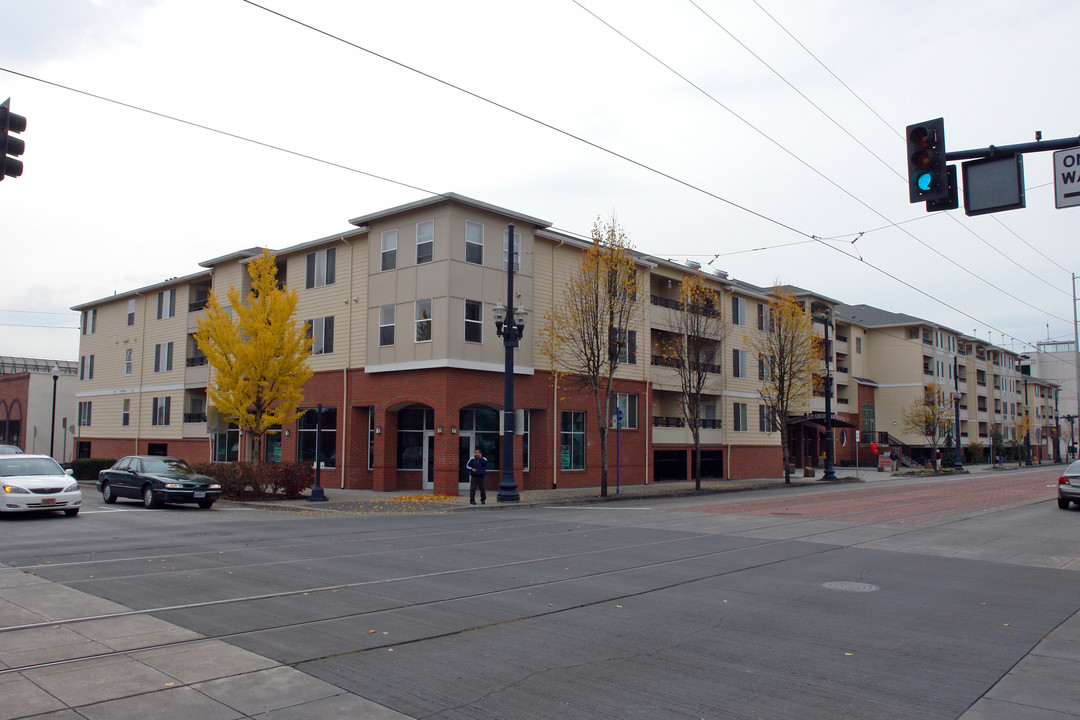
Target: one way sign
1067 178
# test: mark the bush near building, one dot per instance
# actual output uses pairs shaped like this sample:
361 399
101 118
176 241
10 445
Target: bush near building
260 481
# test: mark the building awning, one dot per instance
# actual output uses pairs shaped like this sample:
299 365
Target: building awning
818 419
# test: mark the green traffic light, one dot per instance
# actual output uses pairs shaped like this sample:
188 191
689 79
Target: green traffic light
924 181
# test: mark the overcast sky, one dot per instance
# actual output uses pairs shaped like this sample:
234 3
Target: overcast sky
760 137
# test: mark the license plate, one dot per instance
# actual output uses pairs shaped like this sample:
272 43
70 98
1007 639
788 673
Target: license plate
48 501
200 493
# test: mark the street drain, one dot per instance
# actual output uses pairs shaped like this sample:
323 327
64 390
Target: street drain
851 586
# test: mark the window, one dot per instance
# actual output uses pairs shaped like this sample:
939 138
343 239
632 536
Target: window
412 426
86 367
386 325
517 250
422 318
625 342
738 311
227 444
166 304
272 444
321 332
306 430
858 346
767 420
89 321
84 413
764 368
131 312
572 440
125 414
764 322
868 423
627 403
129 355
321 268
389 249
474 321
738 363
163 357
474 242
425 241
740 418
159 410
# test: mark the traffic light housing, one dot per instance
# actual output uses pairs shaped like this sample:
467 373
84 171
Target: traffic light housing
928 176
10 147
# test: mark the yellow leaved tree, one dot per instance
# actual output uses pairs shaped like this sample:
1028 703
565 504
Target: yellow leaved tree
258 352
588 334
790 355
931 416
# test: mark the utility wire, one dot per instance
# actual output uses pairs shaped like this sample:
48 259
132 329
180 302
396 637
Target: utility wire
530 118
893 129
807 164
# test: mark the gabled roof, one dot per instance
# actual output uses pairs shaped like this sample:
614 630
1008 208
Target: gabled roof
448 197
873 317
203 274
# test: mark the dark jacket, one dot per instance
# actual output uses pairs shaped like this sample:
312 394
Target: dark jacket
478 465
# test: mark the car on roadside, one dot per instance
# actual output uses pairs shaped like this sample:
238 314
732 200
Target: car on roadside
10 450
157 480
37 482
1069 486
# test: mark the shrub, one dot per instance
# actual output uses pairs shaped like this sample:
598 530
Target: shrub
260 481
87 469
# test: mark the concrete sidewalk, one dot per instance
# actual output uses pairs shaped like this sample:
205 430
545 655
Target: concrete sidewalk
412 501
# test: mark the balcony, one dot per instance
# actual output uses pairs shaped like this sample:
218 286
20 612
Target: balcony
669 430
196 372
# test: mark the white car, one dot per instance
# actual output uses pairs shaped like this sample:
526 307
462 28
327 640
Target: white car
37 482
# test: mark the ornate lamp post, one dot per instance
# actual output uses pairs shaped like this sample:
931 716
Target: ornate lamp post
511 333
52 427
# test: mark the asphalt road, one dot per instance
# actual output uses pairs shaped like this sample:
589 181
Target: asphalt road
899 599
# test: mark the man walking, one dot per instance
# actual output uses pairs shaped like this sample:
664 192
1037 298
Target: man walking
477 466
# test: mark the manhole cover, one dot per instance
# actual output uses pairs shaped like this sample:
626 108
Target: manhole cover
851 586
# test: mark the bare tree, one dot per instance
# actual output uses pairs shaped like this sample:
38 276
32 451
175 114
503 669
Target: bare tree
699 333
791 355
930 416
588 334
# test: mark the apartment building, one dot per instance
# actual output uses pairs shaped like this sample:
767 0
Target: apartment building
897 357
408 368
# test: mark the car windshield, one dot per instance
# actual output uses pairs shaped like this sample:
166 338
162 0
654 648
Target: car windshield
13 466
166 465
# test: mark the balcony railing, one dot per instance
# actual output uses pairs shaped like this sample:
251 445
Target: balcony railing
705 423
197 361
197 305
195 417
676 305
664 361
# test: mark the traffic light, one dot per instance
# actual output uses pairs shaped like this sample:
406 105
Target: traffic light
928 177
10 123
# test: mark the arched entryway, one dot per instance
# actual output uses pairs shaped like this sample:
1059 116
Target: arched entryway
416 442
478 428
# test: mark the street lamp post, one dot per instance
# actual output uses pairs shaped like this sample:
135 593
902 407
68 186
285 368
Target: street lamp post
52 428
511 333
830 471
1027 425
957 464
317 494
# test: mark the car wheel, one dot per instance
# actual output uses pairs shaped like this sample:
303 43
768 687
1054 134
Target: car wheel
107 493
1063 503
149 499
206 504
71 512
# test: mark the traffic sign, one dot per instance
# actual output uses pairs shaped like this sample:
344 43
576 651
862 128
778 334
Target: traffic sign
1067 178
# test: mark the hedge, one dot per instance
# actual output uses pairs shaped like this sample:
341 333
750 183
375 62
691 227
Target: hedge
260 481
87 469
